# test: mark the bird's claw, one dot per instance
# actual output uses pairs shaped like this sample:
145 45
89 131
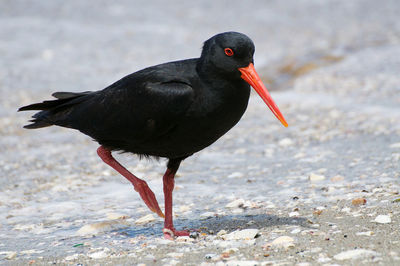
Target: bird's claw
149 198
171 233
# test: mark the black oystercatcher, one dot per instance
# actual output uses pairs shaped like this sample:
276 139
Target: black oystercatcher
170 110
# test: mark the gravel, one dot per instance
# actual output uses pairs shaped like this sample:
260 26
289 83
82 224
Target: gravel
324 191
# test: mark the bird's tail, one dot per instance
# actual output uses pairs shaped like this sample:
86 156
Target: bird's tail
49 109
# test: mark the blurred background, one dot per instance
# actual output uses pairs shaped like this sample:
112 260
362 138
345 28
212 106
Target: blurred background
50 45
332 66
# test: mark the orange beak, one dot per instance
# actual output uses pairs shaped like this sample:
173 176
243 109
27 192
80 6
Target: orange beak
250 75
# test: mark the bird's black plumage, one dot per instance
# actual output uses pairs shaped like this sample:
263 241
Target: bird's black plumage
170 110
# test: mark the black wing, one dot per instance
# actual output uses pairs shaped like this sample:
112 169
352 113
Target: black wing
128 115
133 119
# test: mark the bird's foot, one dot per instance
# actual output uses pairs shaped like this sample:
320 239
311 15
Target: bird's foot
171 233
149 198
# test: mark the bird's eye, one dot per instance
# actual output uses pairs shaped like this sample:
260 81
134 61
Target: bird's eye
228 51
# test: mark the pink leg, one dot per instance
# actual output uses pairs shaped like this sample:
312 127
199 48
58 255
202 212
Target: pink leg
169 182
139 185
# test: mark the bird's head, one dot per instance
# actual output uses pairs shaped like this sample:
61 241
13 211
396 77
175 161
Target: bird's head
231 54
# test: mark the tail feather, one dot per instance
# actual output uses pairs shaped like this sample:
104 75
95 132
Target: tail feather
62 97
68 95
49 109
37 124
45 105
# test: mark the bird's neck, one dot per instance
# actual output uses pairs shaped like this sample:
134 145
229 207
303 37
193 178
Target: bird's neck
220 95
210 73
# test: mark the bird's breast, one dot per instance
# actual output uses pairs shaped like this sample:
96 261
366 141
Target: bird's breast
210 118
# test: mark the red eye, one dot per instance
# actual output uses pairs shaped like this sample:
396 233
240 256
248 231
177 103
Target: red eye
228 51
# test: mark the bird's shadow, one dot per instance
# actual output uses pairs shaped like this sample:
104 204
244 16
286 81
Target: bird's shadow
213 225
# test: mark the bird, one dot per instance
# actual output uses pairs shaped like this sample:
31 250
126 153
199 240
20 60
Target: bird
171 110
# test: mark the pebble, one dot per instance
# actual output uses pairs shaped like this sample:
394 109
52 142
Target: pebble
116 216
207 215
96 228
359 201
184 208
99 254
146 219
236 175
210 255
286 142
235 204
295 231
337 178
246 234
269 152
355 254
317 212
315 178
383 219
23 227
194 235
184 239
367 233
282 242
221 232
10 255
322 170
230 250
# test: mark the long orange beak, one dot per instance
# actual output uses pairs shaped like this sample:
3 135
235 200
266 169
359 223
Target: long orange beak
250 75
